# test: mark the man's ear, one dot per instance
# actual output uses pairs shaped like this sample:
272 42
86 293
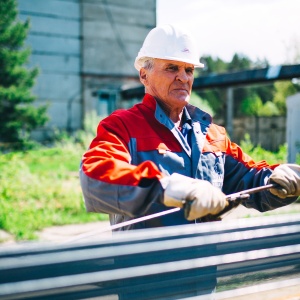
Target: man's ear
143 76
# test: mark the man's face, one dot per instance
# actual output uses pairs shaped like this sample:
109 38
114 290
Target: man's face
169 81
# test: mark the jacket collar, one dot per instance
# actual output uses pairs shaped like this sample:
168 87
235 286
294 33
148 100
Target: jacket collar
195 113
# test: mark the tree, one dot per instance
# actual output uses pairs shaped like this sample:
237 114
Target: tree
239 62
212 65
283 89
18 115
216 97
252 105
196 100
269 109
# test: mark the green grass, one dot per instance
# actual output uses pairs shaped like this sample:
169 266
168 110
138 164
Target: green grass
40 188
259 154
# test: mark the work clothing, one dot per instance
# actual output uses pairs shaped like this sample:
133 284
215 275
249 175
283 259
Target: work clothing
120 173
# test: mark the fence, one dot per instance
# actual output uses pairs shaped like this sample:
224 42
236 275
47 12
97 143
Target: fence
269 132
247 257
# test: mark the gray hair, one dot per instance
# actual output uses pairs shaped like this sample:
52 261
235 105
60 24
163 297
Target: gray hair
147 63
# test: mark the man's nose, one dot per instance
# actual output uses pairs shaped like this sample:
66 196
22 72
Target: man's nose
182 76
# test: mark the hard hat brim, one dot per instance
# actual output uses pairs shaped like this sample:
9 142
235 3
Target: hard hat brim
138 61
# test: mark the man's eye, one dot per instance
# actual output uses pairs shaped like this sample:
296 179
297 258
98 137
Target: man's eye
190 70
172 68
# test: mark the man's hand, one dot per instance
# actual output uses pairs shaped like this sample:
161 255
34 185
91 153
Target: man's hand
205 198
288 177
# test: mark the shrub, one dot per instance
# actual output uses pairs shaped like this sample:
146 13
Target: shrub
258 153
40 188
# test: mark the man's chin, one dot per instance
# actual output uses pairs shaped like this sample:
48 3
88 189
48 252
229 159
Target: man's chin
183 98
182 95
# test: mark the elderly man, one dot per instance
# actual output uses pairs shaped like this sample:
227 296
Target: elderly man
164 152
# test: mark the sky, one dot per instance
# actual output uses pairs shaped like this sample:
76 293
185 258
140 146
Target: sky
258 29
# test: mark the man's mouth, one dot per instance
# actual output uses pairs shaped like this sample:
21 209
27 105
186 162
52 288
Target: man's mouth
181 90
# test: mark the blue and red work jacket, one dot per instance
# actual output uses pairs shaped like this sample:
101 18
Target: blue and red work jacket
120 173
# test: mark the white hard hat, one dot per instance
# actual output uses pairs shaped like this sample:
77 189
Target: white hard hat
171 43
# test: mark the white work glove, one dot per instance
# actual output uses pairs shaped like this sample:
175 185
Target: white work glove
206 199
288 177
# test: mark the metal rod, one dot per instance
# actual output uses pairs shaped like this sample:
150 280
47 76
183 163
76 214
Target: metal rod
230 197
123 224
149 217
233 196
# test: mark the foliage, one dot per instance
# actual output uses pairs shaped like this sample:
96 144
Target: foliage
283 89
252 105
213 65
81 138
18 116
259 154
214 98
239 62
196 100
91 121
272 95
217 65
269 109
217 97
40 188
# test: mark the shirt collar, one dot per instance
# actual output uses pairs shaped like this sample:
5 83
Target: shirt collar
192 112
186 118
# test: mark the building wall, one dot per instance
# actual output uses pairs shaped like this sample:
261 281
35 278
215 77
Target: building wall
113 33
293 127
81 47
55 42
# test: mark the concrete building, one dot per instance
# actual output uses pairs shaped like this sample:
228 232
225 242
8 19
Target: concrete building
293 125
85 51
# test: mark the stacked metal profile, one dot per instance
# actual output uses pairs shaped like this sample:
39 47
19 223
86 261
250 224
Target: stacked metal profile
165 263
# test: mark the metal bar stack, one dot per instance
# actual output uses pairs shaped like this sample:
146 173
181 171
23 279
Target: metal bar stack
184 262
